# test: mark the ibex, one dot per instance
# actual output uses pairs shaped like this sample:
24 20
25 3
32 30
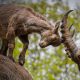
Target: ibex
19 21
74 51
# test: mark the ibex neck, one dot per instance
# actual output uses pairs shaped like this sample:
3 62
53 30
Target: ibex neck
37 25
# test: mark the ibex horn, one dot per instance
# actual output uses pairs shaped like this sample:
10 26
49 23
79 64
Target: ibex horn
70 26
64 20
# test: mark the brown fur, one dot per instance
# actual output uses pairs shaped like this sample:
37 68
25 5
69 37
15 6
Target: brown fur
19 21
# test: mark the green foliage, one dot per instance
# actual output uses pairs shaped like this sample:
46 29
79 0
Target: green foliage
50 63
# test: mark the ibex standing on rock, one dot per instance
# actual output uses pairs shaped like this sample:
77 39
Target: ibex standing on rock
19 21
74 51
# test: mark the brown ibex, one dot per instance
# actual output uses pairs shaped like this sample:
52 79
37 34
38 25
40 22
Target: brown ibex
19 21
71 47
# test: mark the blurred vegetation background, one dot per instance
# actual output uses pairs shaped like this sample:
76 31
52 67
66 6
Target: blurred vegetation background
50 63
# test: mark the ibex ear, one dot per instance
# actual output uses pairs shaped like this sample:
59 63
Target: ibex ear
57 26
66 15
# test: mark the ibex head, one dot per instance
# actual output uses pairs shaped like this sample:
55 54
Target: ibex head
51 37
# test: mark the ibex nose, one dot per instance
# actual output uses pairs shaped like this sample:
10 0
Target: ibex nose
43 44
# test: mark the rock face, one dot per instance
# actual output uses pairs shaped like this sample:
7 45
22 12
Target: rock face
12 71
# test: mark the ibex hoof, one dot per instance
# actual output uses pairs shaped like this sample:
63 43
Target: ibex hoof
21 60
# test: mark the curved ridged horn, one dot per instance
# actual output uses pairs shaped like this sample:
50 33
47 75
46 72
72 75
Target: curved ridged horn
73 32
64 20
70 26
66 15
